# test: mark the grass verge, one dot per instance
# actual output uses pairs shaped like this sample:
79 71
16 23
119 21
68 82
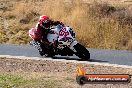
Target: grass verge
19 80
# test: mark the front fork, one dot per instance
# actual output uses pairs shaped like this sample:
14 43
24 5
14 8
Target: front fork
72 46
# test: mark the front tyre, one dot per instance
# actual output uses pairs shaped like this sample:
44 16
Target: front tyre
82 52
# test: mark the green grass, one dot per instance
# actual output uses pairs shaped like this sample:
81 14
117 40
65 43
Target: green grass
19 81
8 81
69 79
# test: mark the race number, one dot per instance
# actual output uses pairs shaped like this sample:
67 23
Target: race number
63 32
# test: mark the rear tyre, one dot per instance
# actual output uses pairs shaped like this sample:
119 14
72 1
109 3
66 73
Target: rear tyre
47 55
82 52
41 53
47 52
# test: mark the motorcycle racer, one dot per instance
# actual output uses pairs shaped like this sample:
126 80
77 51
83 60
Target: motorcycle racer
58 38
42 28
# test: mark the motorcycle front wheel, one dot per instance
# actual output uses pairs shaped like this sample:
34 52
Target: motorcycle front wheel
82 52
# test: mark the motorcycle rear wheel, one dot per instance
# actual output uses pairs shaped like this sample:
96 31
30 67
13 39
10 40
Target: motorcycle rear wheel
47 53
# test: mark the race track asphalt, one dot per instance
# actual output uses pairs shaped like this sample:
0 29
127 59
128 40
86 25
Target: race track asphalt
121 57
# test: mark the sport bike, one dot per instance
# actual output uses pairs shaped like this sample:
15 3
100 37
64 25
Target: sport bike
63 42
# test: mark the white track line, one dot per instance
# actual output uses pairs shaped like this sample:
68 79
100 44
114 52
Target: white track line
63 60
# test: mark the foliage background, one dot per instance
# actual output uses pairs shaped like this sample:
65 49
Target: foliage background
106 24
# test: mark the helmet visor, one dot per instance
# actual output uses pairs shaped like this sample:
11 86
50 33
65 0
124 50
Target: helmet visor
46 23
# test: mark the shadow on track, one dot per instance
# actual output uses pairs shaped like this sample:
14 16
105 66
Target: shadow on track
77 59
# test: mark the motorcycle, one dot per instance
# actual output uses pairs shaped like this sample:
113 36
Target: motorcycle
63 43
